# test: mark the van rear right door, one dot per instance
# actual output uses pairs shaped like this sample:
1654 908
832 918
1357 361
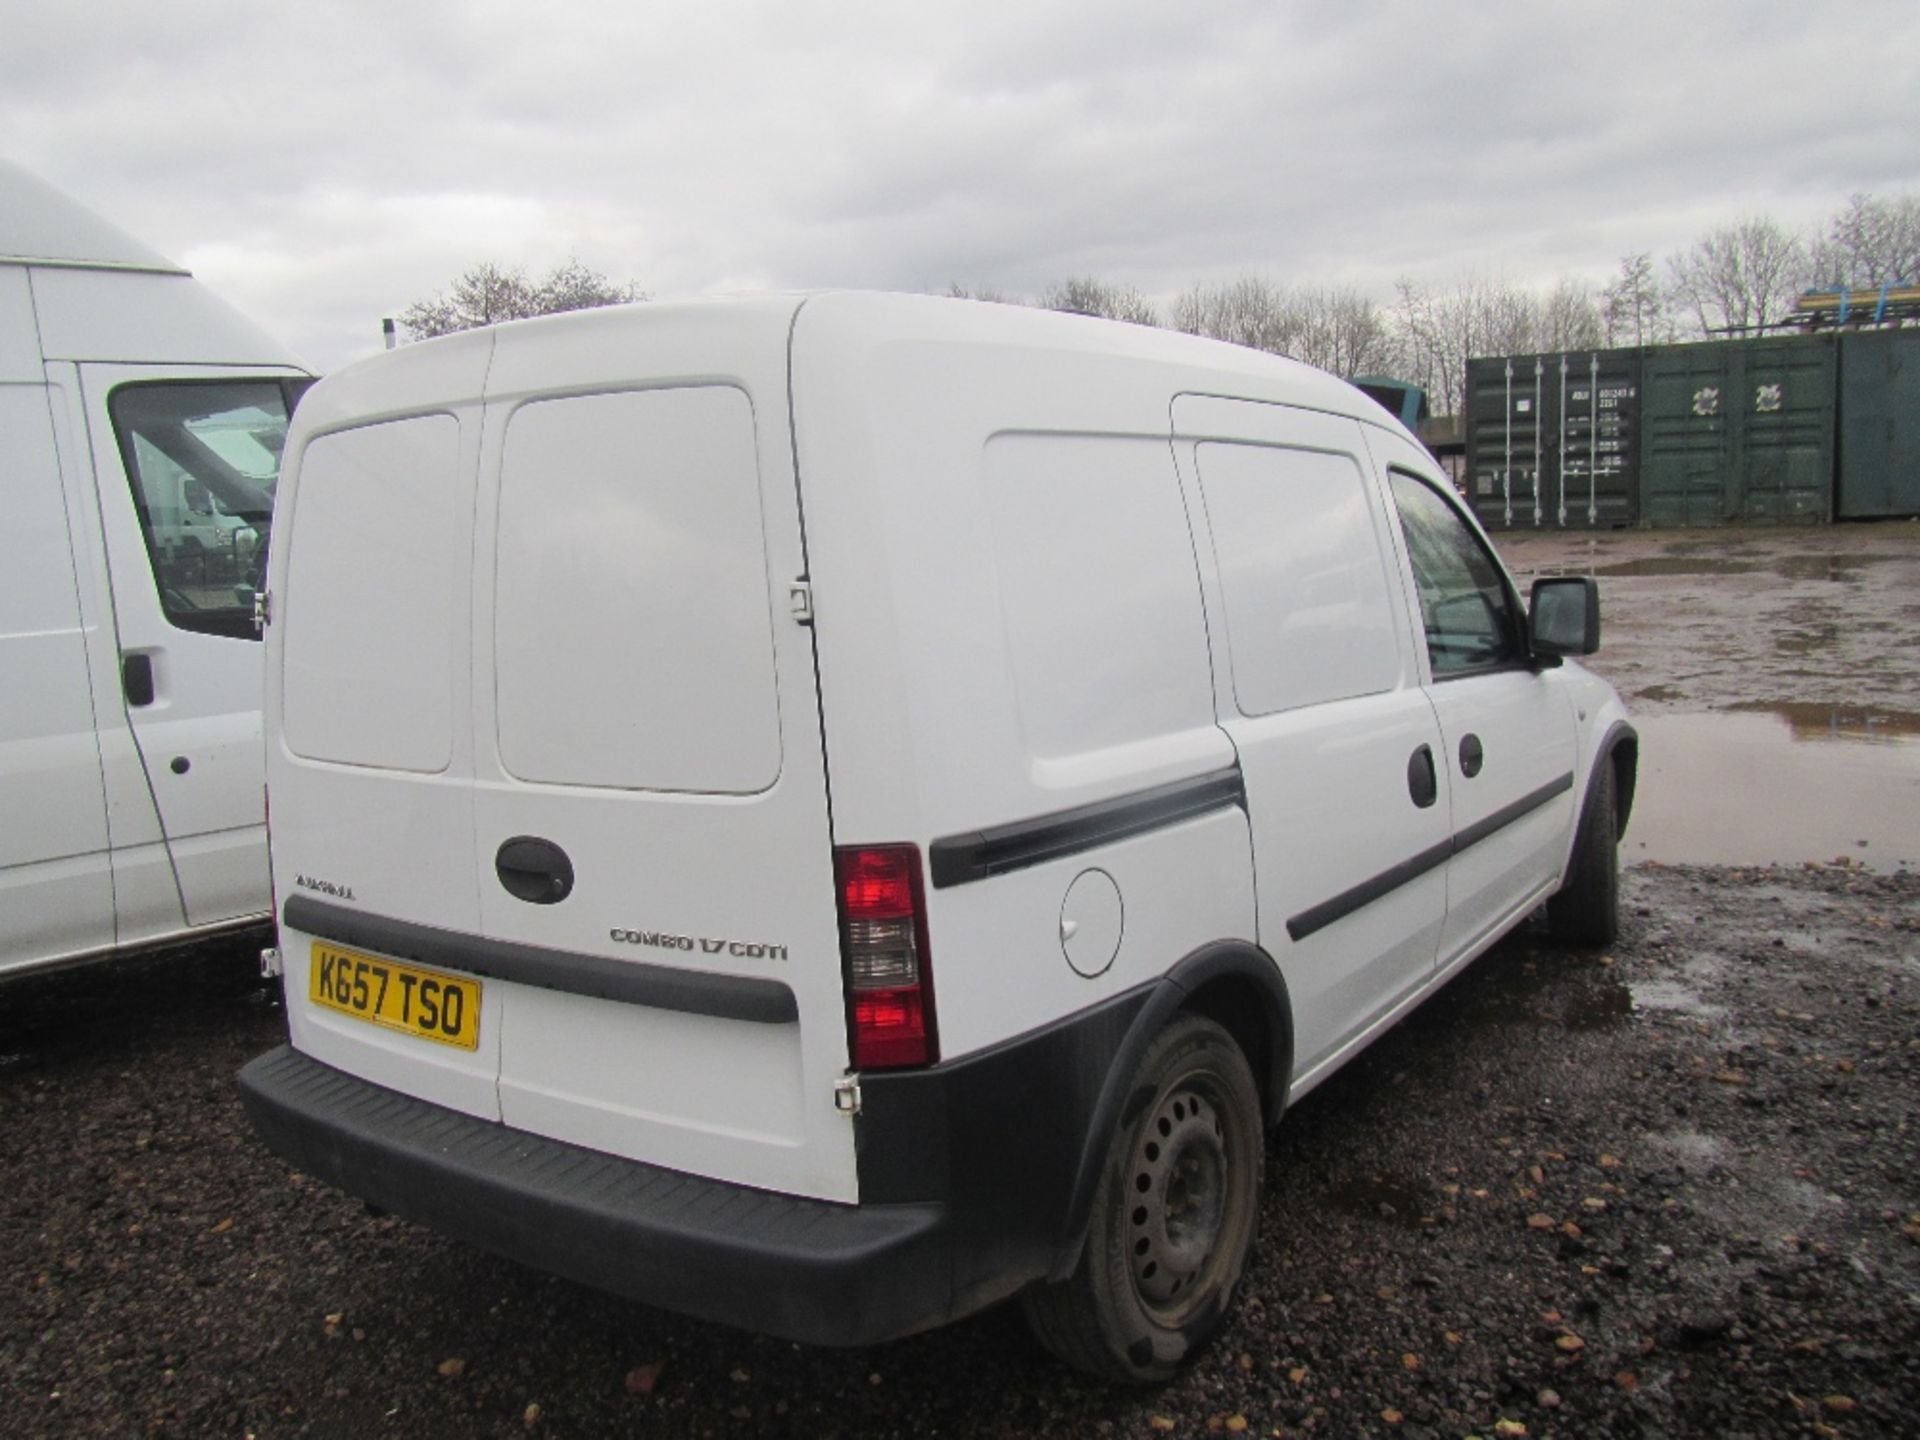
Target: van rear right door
649 803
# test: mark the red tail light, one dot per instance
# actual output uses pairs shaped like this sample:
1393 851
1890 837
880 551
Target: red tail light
883 940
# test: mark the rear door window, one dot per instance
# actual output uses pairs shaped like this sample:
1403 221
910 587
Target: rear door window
203 458
633 637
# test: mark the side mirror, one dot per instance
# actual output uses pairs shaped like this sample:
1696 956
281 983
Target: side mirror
1564 616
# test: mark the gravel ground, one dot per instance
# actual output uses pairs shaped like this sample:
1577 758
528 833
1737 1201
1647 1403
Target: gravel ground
1668 1190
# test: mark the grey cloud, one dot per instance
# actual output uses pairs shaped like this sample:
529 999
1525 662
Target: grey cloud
324 164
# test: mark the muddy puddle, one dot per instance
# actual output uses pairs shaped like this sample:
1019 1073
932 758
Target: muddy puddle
1789 567
1766 784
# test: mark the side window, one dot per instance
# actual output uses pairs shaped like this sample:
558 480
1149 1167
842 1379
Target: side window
203 458
1308 599
1465 605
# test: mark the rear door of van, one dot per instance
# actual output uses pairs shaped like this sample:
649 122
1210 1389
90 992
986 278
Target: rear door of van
650 793
570 751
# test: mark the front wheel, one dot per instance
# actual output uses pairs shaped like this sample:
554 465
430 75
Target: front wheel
1173 1218
1586 912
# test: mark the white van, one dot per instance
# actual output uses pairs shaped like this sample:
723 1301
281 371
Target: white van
826 813
141 421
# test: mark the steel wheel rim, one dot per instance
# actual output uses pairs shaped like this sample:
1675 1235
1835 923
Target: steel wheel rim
1178 1200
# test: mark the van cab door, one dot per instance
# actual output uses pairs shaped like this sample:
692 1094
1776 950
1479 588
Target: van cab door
1317 685
185 461
1507 728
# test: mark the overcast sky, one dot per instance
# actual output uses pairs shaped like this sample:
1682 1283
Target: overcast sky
323 164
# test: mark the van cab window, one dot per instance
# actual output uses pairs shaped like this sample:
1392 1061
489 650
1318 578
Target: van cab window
1465 605
203 459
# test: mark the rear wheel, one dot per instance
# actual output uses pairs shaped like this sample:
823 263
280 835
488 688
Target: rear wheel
1586 912
1173 1218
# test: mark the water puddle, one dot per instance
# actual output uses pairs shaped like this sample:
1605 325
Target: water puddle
1398 1202
1672 997
1668 565
1838 722
1839 568
1778 784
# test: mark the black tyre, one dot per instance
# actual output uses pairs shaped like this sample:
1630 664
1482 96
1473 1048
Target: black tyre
1173 1218
1586 912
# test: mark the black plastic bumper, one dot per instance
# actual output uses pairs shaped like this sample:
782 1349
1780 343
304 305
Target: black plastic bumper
806 1270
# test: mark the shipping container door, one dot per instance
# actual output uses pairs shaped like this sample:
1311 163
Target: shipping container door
1784 428
1597 459
1684 455
1879 424
1507 435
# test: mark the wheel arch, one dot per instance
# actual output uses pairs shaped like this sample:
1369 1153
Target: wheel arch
1237 985
1622 749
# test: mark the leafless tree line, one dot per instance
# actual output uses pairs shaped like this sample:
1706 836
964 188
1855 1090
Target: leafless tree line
1741 278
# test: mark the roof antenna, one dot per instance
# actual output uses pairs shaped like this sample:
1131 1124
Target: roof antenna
386 329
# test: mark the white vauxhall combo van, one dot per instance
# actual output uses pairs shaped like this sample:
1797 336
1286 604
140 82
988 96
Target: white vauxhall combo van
825 813
141 421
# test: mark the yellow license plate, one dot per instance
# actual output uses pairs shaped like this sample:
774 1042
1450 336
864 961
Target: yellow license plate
401 997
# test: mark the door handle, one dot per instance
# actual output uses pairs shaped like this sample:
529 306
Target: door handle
537 871
1472 756
136 679
1423 782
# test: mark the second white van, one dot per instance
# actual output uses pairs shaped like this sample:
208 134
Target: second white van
824 814
141 422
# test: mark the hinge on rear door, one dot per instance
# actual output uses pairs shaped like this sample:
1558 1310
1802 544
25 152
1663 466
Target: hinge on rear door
846 1096
262 611
270 965
800 602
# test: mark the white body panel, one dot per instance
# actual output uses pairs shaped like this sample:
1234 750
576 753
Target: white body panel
694 594
128 825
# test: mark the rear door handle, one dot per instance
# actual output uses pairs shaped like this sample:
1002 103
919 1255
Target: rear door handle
535 870
1423 782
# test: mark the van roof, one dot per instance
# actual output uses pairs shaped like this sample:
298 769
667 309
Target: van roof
864 318
41 226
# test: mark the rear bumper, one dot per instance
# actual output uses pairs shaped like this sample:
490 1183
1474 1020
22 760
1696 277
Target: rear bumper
802 1269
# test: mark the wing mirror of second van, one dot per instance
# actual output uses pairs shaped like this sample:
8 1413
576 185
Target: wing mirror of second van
1564 616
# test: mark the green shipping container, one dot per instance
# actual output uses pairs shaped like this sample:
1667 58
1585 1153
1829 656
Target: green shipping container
1738 431
1879 424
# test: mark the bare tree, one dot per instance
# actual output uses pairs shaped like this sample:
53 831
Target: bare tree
991 294
1248 311
1336 328
1340 330
1568 318
1633 309
1084 295
487 294
1870 242
1438 331
1744 276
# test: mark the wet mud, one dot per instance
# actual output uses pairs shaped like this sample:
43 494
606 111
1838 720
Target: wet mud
1774 675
